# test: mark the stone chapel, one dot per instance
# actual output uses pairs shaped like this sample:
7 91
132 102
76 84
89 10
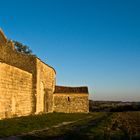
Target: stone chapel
28 86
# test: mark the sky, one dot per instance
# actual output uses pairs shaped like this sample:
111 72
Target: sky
94 43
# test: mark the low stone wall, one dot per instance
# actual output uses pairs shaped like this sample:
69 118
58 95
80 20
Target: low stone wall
15 91
70 102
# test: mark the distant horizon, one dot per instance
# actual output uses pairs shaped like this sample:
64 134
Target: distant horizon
113 101
89 43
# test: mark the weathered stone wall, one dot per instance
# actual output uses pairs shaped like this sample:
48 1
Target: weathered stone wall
27 86
43 76
45 87
19 60
15 91
24 62
71 102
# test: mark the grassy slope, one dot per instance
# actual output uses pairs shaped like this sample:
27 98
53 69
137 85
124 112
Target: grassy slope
21 125
117 126
98 126
66 131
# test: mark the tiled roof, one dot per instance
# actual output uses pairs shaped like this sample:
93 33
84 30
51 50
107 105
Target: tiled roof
63 89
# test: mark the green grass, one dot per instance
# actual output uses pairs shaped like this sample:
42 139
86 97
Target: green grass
104 129
116 126
19 125
97 126
69 131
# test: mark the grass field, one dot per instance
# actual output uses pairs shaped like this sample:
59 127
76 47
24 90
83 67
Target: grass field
97 126
116 126
19 125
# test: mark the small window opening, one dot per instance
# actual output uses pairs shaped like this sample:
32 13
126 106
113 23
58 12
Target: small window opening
68 99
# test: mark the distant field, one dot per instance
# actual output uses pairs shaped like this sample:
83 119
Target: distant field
116 126
97 126
124 125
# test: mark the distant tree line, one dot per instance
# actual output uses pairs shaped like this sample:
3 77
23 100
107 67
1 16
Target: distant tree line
132 107
101 106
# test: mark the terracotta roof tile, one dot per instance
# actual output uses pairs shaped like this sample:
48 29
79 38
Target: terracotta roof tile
63 89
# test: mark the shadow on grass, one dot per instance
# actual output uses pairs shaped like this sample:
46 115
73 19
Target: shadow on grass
71 132
91 130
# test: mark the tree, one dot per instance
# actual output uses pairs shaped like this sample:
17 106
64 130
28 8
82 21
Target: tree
22 48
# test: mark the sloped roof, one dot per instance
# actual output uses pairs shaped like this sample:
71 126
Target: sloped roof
64 89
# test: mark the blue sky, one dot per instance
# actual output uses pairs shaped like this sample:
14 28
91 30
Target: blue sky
89 42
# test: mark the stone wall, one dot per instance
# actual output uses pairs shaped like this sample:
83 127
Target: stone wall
45 87
27 86
15 91
21 61
41 84
71 102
